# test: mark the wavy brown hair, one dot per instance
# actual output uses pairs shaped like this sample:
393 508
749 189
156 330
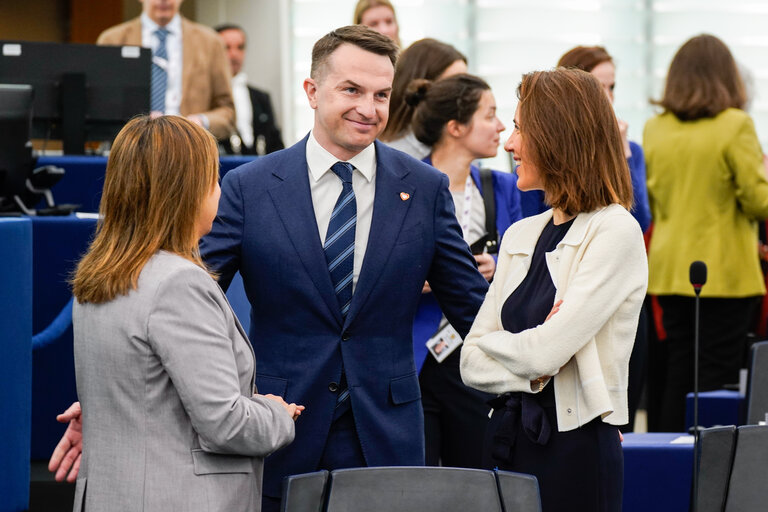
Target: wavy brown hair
158 174
703 80
426 58
572 137
585 58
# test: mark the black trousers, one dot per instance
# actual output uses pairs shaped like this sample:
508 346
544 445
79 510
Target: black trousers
580 470
638 363
724 324
455 416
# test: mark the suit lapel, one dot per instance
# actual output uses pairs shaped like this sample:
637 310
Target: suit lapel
293 201
389 210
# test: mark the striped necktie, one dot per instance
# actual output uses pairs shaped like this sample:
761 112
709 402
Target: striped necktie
340 238
159 72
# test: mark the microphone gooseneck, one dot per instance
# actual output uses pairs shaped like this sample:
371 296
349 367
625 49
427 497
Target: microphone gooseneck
698 277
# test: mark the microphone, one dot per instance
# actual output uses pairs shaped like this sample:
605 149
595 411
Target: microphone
698 277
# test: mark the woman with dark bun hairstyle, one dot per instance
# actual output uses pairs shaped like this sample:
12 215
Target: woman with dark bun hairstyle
707 190
456 119
429 59
555 332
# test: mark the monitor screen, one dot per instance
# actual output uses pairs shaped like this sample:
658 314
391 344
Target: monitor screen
105 85
15 147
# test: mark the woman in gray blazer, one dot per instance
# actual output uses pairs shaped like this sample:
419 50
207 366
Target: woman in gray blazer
164 370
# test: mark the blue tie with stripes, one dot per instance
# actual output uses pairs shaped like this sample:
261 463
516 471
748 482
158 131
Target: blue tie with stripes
159 73
340 239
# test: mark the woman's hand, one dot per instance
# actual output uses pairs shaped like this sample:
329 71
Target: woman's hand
555 309
486 265
293 409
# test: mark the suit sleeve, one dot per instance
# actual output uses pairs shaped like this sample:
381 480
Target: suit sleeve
458 286
612 269
187 329
221 114
221 248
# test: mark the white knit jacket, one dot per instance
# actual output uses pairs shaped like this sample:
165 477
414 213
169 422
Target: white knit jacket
600 271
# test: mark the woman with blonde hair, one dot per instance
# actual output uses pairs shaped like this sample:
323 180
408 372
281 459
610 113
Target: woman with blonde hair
164 371
707 191
555 332
378 15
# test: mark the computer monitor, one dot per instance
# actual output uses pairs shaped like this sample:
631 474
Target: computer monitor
82 92
16 159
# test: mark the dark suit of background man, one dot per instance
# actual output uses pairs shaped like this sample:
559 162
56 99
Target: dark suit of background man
257 131
188 58
349 360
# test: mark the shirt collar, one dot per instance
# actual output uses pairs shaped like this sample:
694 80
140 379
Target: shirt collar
173 26
240 79
320 160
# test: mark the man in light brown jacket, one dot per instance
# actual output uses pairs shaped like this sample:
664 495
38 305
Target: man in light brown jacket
192 59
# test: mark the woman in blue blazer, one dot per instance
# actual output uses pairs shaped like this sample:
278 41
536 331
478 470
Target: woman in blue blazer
456 118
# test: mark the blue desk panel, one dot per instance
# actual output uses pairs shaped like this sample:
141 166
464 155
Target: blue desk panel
721 407
84 177
657 473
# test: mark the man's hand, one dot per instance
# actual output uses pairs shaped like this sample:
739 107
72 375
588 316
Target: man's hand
66 456
486 265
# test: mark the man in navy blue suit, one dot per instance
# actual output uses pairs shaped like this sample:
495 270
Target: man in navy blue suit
354 368
334 238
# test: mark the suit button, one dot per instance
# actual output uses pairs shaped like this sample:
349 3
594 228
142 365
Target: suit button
333 387
345 336
569 411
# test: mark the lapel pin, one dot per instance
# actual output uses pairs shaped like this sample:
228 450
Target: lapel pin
405 196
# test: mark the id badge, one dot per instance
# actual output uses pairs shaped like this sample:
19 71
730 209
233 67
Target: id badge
444 342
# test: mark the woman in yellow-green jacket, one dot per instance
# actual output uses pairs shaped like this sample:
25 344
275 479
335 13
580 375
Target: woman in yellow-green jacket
707 190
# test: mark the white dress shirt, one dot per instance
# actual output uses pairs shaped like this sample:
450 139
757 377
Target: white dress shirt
243 108
173 66
325 187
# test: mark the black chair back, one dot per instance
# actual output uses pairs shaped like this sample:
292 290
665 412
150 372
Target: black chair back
716 446
757 391
518 492
748 487
304 493
423 489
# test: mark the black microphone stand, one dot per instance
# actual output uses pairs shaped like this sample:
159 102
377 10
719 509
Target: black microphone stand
698 277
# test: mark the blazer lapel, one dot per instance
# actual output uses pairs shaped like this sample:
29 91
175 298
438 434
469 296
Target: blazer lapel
389 211
293 201
188 58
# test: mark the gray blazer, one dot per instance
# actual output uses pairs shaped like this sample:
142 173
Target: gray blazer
165 376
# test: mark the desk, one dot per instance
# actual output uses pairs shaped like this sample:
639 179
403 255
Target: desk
657 473
721 407
84 177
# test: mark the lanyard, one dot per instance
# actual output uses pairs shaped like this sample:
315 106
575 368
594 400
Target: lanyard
466 214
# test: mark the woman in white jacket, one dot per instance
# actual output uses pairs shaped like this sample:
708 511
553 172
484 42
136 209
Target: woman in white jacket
554 335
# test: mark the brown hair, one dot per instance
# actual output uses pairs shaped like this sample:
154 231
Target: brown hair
585 58
158 174
364 5
703 80
426 58
572 137
436 103
356 35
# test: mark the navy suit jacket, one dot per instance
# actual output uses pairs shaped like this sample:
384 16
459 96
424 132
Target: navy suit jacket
266 229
